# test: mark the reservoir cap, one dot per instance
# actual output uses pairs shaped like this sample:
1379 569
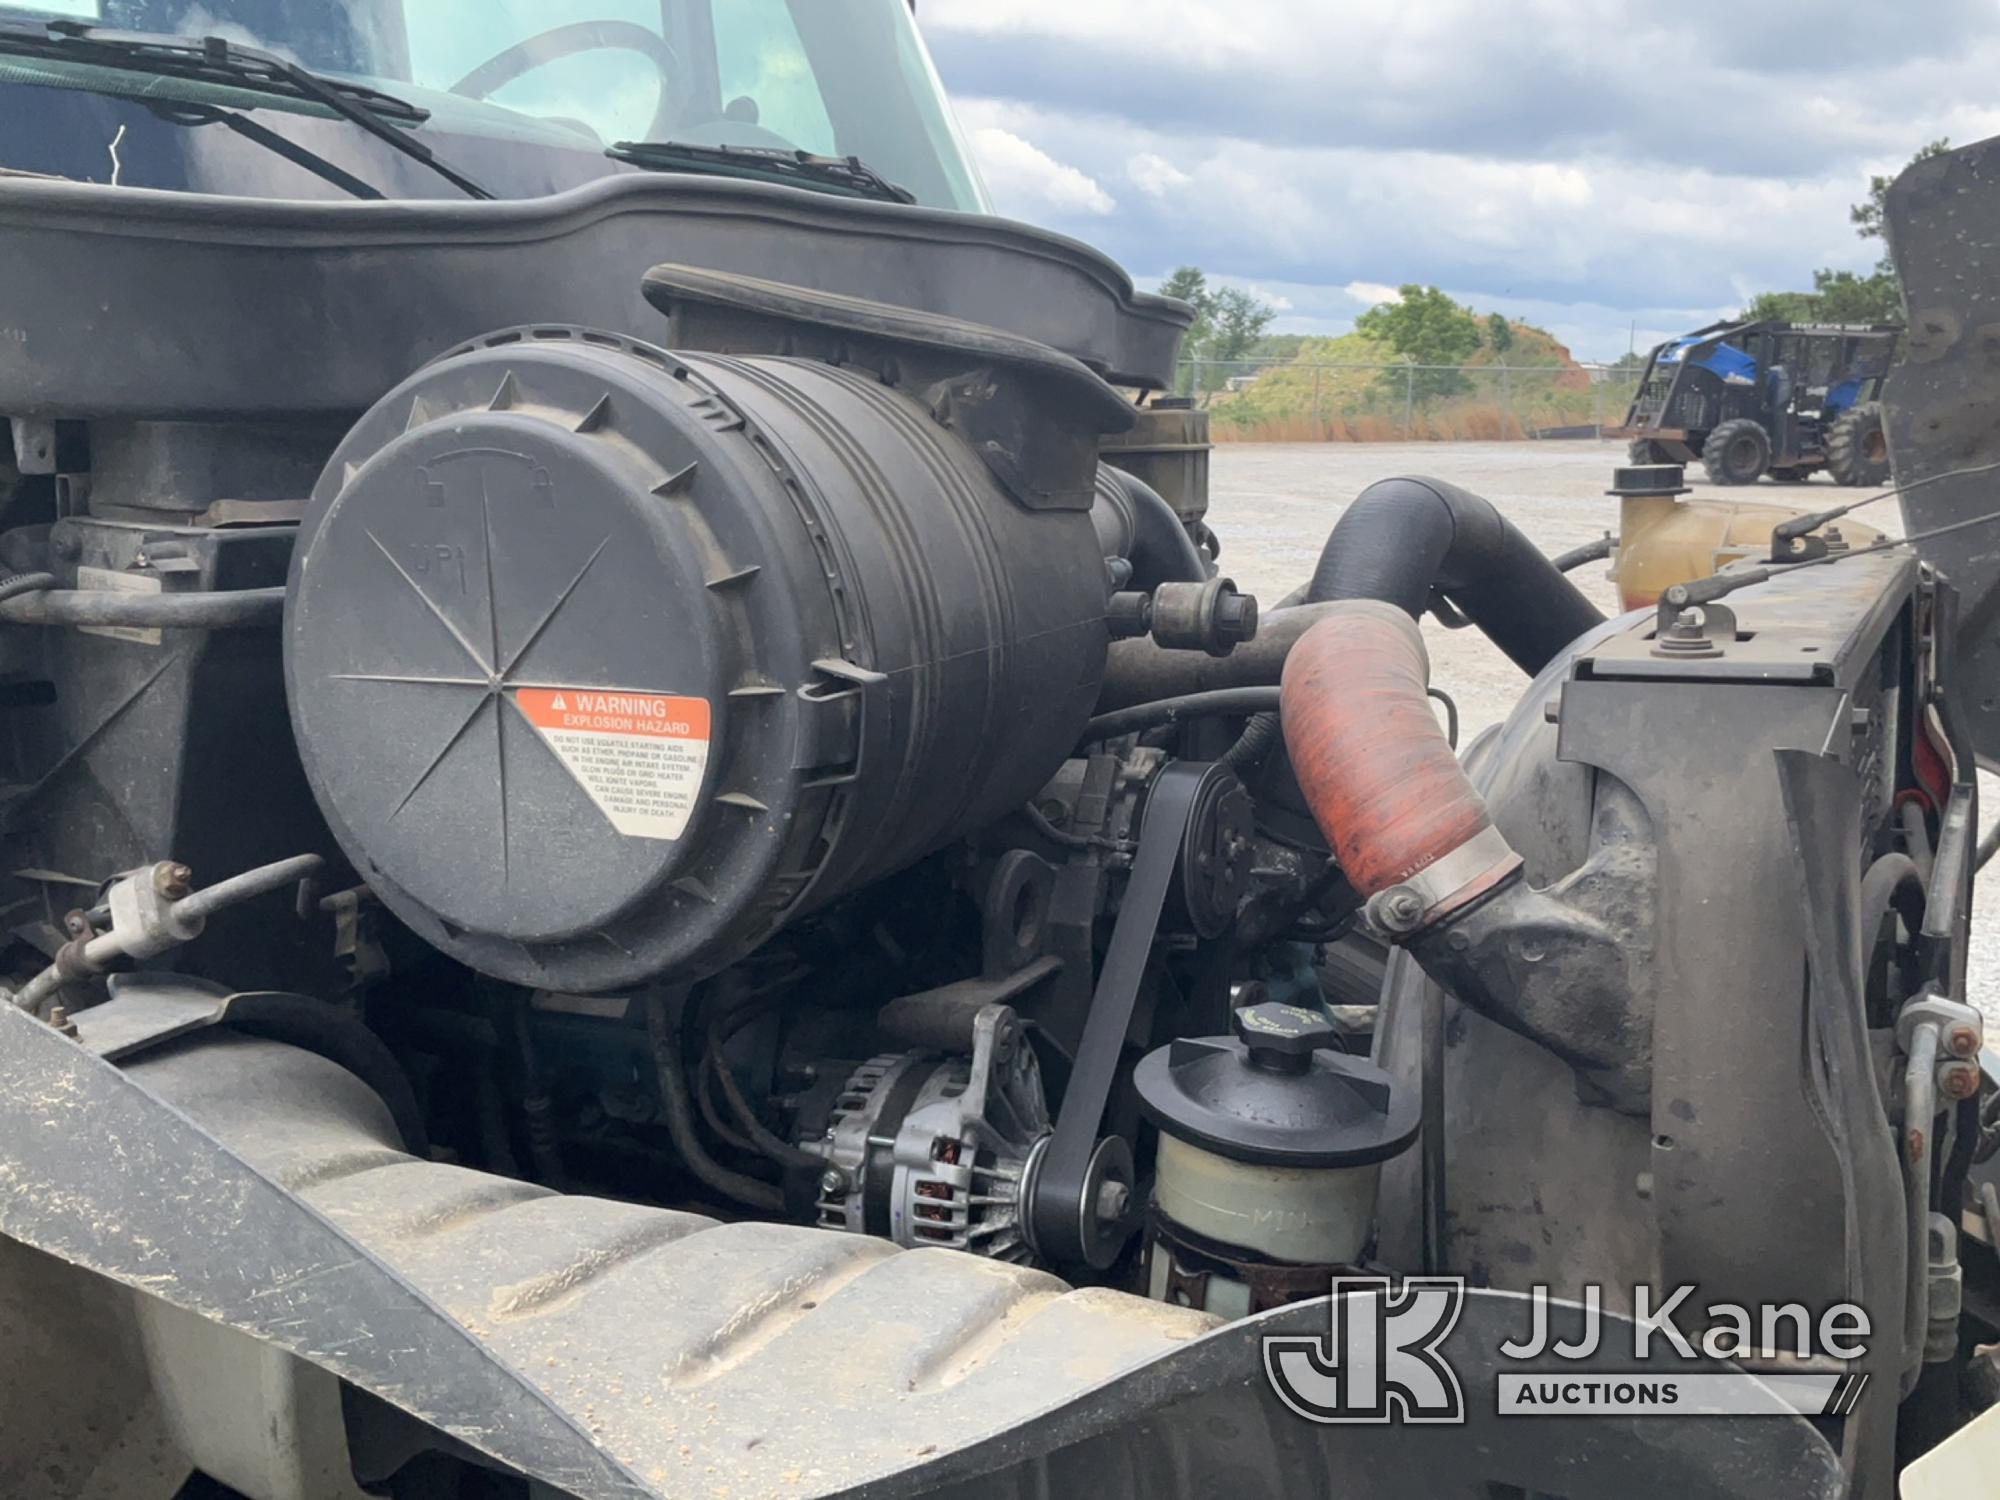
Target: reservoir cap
1277 1094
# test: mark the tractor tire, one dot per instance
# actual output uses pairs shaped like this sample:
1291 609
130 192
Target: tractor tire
1857 449
1646 451
1736 452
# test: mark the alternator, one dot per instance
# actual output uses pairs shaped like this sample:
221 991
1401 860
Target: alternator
929 1149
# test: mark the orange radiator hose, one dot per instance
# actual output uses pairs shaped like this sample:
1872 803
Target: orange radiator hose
1375 767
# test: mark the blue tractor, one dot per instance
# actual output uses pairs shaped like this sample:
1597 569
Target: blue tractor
1764 397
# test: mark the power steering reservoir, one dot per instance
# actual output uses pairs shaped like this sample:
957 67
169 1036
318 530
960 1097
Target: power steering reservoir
1271 1146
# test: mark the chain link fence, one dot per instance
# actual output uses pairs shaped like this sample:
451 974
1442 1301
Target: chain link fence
1276 400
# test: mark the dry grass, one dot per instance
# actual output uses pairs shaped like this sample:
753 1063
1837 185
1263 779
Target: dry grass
1456 424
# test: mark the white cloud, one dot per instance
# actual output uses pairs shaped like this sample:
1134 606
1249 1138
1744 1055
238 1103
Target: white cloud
1021 175
1372 293
1154 175
1509 155
1352 223
1551 184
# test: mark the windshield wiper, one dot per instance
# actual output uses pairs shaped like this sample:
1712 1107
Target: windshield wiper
216 60
191 115
847 175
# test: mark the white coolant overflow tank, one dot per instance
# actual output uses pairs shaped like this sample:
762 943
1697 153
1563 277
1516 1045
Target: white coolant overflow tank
1271 1145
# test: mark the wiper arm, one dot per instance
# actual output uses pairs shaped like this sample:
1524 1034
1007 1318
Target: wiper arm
847 175
179 113
217 60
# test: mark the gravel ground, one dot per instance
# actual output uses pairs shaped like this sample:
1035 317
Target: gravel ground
1272 505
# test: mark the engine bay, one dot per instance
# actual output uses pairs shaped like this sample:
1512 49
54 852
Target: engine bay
797 760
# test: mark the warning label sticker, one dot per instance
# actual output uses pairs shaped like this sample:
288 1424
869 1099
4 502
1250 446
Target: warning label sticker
640 756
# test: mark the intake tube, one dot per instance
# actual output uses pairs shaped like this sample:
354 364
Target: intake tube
1378 773
1403 539
1134 523
1400 541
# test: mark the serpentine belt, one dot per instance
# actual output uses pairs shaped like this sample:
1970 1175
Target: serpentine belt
1063 1221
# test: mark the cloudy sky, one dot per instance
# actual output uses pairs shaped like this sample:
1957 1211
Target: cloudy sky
1581 164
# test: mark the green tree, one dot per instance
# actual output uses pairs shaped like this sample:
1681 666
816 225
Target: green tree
1228 322
1843 297
1783 307
1426 327
1625 373
1238 319
1190 285
1869 216
1499 334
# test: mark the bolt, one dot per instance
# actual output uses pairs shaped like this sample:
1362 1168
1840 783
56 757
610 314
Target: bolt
1962 1041
1113 1198
171 880
1398 909
1958 1080
833 1180
1685 635
76 923
1235 617
59 1019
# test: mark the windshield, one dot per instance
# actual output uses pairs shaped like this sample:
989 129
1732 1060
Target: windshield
830 77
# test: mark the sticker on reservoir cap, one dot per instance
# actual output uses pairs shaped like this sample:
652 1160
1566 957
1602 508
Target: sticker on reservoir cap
639 756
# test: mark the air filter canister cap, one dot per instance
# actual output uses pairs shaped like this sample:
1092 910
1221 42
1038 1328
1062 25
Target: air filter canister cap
606 662
510 660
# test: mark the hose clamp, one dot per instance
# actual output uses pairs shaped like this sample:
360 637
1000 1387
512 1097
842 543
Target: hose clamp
1455 879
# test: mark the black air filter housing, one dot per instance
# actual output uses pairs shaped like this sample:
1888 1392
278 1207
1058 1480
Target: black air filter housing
605 661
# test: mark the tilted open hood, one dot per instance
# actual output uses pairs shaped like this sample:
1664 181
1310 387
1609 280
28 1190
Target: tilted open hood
1942 402
136 303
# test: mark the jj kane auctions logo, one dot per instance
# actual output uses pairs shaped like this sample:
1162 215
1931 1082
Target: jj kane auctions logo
1383 1359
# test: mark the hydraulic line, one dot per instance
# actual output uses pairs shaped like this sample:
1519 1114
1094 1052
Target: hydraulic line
233 609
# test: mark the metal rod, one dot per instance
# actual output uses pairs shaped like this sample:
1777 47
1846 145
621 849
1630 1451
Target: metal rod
98 953
1432 1144
206 902
235 609
1919 1115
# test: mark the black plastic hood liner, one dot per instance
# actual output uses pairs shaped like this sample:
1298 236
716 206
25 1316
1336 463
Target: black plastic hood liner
1941 404
129 302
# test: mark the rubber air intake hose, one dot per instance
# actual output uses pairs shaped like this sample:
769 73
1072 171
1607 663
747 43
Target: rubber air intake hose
1376 768
1404 539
